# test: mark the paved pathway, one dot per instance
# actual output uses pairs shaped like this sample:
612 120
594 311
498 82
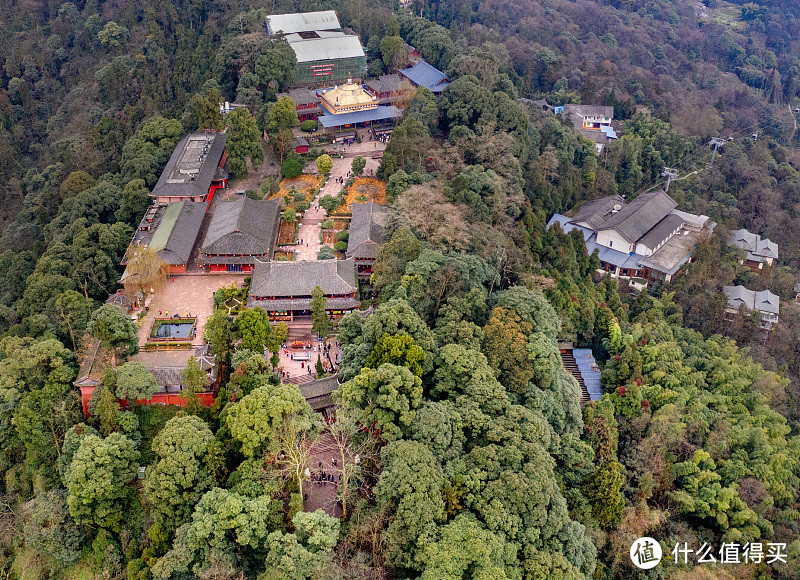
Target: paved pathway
323 494
310 232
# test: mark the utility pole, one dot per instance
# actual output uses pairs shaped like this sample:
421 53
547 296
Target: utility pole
716 143
670 174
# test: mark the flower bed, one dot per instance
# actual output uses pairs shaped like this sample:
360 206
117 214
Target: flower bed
366 189
306 183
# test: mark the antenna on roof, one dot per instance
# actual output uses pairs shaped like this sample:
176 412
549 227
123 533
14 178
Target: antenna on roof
670 174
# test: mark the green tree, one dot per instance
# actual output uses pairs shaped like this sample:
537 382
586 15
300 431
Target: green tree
194 380
411 486
277 66
51 532
72 311
135 199
261 419
324 164
277 337
329 203
358 165
181 474
291 168
321 323
387 398
98 480
76 182
304 554
466 550
393 52
114 328
72 441
504 344
135 382
603 490
218 332
112 34
225 525
282 115
244 141
397 349
289 215
254 328
205 108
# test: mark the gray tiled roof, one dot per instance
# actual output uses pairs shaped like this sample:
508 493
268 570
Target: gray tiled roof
167 185
764 301
242 226
184 233
385 84
593 213
301 96
367 230
661 231
285 279
639 216
757 248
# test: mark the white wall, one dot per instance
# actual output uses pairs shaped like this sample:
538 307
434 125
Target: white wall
611 239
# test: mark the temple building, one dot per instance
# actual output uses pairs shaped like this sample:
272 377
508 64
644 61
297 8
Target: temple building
171 230
350 106
367 233
195 170
348 98
284 289
242 231
423 74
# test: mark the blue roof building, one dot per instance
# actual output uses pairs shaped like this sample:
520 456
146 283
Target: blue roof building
424 75
380 113
589 372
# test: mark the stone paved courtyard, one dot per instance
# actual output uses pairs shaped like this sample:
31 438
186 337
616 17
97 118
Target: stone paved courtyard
186 294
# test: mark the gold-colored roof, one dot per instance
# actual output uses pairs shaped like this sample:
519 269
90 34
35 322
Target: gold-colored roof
349 95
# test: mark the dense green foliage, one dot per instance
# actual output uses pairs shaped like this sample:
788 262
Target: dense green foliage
476 459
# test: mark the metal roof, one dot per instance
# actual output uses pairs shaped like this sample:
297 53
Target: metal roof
298 279
337 47
590 372
192 166
590 110
367 228
423 74
242 226
380 113
303 22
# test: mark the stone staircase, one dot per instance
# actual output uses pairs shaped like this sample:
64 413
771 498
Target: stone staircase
571 367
